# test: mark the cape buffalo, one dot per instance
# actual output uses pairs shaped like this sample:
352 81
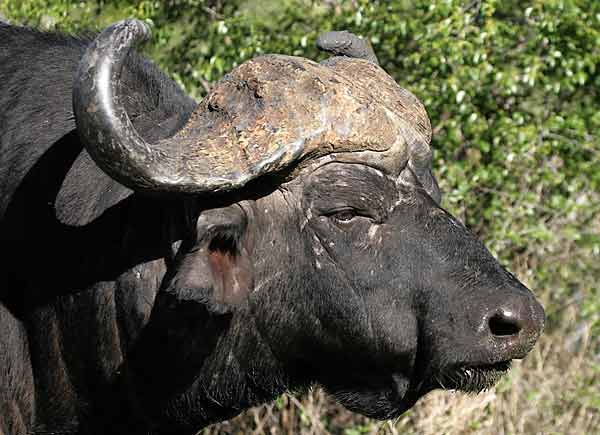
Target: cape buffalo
168 264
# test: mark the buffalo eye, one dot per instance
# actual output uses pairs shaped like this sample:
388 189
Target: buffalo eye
343 216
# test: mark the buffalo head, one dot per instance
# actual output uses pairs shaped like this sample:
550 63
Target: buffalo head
315 247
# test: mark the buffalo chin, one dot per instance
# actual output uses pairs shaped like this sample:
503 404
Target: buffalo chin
372 405
386 403
472 379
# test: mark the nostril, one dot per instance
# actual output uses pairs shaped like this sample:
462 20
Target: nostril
503 325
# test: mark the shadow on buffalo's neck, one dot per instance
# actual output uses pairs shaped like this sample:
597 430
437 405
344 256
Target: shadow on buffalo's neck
53 258
191 368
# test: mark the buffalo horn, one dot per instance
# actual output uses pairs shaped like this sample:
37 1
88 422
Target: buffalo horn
166 166
347 44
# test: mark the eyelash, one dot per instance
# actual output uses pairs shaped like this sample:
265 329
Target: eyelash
343 216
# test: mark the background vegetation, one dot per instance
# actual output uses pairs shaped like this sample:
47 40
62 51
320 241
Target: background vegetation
513 91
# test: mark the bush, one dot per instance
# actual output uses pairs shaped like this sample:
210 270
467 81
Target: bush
513 92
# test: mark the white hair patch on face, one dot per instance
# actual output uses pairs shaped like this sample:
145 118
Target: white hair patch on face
308 216
317 247
403 200
373 232
258 286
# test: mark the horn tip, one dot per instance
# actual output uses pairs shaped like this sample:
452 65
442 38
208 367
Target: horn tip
139 29
344 43
328 41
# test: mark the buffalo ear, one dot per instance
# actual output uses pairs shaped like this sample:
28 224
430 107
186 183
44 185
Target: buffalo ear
214 266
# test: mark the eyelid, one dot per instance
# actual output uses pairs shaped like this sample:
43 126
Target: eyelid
334 214
339 210
340 215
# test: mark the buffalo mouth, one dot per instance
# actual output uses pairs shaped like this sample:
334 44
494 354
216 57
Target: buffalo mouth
472 378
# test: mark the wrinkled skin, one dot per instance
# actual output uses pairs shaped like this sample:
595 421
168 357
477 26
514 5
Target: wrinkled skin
127 313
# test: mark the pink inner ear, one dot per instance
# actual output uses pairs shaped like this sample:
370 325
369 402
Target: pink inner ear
232 274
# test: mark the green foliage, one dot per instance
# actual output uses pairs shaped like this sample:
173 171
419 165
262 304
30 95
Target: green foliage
512 89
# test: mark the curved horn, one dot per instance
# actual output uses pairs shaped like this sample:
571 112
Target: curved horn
178 164
346 44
